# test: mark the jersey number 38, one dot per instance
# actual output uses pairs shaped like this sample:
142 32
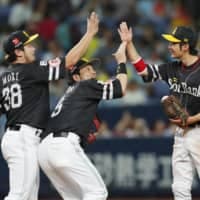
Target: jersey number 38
12 96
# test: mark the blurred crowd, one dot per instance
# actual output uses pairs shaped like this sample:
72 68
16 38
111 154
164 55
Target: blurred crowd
131 127
61 23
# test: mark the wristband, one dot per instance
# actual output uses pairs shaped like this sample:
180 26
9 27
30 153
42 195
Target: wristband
121 69
140 65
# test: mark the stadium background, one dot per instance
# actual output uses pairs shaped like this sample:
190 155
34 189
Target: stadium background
134 152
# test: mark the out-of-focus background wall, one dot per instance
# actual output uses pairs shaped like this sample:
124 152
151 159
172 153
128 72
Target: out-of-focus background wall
134 152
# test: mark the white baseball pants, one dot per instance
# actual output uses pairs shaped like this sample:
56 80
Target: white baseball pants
71 172
185 158
19 149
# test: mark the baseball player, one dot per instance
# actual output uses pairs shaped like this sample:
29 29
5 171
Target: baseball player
24 98
182 77
61 153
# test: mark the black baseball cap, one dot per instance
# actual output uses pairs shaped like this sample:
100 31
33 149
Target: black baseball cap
17 40
82 63
182 34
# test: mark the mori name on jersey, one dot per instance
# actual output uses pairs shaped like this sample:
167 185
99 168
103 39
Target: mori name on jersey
11 77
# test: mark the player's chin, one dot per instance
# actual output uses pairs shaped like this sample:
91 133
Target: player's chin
92 77
174 55
32 59
95 77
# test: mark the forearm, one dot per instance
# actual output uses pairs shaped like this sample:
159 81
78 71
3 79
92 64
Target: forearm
122 77
190 120
136 60
194 119
78 50
123 81
132 52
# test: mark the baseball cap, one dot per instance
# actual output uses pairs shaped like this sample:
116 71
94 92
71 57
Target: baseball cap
82 63
16 40
182 34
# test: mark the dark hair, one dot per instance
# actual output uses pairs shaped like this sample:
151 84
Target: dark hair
70 80
184 35
16 40
192 49
11 57
83 62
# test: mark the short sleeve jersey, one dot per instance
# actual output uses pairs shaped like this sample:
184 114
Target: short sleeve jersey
77 108
183 81
24 91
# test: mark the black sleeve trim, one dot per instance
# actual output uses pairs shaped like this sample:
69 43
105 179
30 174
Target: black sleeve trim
149 77
117 89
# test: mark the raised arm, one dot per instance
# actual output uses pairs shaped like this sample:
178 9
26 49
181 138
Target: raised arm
80 48
120 56
127 36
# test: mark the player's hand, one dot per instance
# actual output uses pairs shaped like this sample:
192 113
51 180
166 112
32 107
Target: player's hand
190 120
125 33
120 54
93 23
177 122
92 137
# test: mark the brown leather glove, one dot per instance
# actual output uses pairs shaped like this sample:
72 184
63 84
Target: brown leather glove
174 109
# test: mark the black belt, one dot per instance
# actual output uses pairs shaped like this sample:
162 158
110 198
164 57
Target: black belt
60 134
14 127
196 125
65 135
17 127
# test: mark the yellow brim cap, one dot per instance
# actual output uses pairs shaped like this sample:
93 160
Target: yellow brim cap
31 38
170 38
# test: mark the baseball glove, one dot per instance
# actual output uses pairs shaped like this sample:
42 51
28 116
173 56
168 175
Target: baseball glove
174 109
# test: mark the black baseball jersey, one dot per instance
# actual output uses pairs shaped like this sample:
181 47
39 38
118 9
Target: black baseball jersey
184 82
25 94
76 109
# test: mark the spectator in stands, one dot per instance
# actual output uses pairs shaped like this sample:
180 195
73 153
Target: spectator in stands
47 27
104 131
20 13
135 94
159 128
124 125
53 50
140 128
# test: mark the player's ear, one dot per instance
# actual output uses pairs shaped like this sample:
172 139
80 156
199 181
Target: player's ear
76 77
185 46
18 52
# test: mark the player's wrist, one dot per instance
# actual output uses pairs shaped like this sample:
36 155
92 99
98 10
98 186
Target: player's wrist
121 68
129 42
90 33
197 118
139 64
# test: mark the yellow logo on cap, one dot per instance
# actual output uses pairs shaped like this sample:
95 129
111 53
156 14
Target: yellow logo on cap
174 31
26 34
